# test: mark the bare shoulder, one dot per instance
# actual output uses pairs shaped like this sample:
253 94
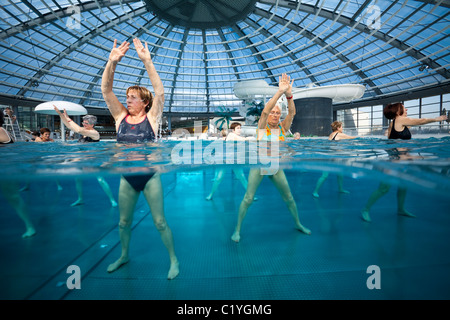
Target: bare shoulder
154 122
3 135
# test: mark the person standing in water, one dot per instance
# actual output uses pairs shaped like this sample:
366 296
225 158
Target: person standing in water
234 135
88 134
268 124
11 190
336 135
136 124
398 129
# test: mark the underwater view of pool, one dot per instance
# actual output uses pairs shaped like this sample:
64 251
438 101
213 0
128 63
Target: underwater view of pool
271 261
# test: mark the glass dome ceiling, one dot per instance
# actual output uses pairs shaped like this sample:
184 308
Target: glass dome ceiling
57 50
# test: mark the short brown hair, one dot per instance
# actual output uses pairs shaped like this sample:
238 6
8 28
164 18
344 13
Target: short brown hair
234 125
44 130
145 95
392 109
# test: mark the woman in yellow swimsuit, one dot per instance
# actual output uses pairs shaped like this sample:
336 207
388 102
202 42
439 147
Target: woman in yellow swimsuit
269 124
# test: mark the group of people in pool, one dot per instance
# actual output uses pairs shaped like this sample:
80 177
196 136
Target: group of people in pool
138 121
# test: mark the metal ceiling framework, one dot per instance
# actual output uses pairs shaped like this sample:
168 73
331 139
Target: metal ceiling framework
204 14
43 58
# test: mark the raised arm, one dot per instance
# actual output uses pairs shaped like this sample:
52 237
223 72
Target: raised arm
115 107
284 84
262 123
69 123
287 122
156 109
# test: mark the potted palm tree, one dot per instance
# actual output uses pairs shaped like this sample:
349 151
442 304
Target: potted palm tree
225 117
255 110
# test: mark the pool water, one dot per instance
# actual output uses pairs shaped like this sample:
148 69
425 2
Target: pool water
272 261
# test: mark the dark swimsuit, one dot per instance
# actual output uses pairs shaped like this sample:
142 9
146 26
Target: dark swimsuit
335 136
136 133
404 135
87 139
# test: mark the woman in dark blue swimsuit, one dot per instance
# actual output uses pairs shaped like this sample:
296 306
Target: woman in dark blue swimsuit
135 124
336 135
397 130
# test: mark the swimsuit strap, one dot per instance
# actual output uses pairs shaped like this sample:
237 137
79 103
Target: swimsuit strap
335 135
281 136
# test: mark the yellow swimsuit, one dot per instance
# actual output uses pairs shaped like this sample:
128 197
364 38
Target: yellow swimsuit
281 136
266 137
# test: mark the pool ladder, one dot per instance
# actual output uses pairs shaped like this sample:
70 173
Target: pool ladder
13 128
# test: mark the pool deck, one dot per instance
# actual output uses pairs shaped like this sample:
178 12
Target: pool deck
273 261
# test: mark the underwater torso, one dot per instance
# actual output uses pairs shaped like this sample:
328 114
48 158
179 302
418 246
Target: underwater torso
138 132
268 137
135 133
404 135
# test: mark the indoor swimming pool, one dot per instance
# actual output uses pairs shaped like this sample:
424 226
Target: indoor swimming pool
272 261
